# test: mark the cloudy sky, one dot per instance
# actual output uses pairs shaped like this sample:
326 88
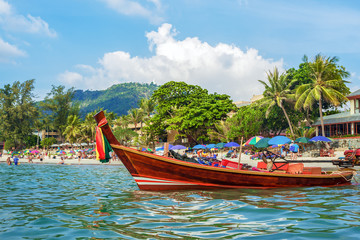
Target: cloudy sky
223 46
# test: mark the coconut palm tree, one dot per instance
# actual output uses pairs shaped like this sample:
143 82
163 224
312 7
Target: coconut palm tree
326 83
72 130
88 128
221 131
148 106
276 92
135 116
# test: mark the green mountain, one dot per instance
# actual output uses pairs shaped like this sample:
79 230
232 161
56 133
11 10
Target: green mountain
118 98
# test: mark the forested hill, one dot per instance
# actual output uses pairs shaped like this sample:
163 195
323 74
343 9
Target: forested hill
118 98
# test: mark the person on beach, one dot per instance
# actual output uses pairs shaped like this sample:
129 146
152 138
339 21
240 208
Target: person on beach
79 156
30 158
61 161
8 161
294 149
283 152
16 160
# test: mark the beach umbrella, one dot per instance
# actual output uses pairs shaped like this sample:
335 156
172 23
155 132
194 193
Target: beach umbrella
262 143
320 139
159 149
252 140
276 145
35 151
27 151
279 140
220 145
232 144
302 140
209 146
61 152
178 147
199 146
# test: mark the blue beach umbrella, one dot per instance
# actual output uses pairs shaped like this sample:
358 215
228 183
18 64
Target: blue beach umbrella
178 147
319 139
279 140
199 146
232 144
209 146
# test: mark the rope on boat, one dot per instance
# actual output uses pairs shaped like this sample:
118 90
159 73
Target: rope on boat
341 174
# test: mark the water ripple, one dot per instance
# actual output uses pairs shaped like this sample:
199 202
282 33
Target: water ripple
103 202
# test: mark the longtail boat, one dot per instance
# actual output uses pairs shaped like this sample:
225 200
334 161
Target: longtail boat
158 173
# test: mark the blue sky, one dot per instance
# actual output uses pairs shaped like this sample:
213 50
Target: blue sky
223 46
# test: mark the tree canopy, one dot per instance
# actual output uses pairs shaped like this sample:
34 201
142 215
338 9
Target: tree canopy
189 109
17 112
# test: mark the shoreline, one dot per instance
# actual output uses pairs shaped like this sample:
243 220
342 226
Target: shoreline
244 159
46 160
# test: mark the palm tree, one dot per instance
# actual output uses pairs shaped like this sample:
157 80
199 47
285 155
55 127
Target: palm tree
148 106
277 92
135 116
88 128
221 131
326 83
72 129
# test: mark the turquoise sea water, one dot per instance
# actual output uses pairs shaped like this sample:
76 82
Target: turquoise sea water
103 202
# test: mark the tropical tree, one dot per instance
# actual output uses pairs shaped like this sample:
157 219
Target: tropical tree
47 142
188 109
57 105
277 92
124 134
135 116
87 128
72 130
326 84
148 106
17 112
221 131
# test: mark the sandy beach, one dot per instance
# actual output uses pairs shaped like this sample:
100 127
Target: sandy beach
47 160
244 159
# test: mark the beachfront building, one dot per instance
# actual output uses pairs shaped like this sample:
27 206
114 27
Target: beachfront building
345 123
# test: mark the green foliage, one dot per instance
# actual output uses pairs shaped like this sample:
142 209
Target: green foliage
119 98
247 122
9 144
221 131
124 135
17 112
277 92
31 141
326 85
47 142
57 107
189 109
72 131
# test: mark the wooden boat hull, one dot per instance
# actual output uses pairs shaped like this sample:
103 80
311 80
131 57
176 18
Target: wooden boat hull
156 173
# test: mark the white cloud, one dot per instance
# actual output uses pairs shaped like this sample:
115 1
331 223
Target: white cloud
150 9
8 51
5 7
13 22
222 68
70 78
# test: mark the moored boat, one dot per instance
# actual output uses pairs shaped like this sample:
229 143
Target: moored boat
158 173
